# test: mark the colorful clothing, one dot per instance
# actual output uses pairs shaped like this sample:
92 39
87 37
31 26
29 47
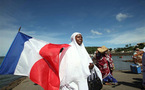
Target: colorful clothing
110 78
102 64
110 63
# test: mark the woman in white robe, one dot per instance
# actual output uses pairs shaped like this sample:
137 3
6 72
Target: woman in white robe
75 65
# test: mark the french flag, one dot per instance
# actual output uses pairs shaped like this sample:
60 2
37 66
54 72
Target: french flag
34 58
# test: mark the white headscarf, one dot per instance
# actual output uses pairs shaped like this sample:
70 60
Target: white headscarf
74 66
82 54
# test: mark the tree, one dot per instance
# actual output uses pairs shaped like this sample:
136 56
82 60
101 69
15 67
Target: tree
110 49
126 45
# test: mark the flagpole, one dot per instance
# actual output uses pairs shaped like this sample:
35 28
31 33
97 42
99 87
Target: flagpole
19 29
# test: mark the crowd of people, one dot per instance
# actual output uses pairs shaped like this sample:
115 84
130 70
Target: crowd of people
77 67
76 58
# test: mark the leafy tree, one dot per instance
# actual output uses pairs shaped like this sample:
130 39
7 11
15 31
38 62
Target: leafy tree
126 45
91 50
110 49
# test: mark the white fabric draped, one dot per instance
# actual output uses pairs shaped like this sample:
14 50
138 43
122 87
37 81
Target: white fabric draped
74 67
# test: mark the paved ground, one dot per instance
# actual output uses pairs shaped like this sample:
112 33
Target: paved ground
126 81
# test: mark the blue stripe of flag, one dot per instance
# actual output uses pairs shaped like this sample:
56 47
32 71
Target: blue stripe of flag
11 59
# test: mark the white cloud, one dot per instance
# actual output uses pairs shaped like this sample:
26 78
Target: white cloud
108 31
121 16
93 37
96 32
135 36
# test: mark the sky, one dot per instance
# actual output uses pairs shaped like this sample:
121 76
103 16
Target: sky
113 23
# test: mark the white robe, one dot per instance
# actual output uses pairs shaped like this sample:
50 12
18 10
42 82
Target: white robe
74 67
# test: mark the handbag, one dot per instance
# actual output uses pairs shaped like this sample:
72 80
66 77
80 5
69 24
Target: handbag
94 82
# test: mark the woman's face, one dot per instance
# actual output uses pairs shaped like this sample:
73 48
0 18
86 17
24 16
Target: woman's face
79 39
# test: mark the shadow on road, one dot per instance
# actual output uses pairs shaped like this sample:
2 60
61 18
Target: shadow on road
137 83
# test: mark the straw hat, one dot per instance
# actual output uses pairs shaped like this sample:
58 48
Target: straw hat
102 49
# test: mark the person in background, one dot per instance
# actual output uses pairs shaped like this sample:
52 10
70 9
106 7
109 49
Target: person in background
136 51
96 55
110 61
138 59
143 64
75 65
102 59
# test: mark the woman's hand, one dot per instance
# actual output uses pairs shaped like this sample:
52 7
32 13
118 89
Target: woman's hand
91 66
